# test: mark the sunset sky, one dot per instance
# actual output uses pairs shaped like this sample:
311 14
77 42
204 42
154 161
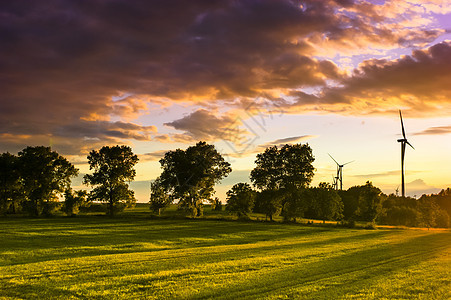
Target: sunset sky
242 75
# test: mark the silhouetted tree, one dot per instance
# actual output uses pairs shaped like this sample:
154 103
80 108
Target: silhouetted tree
74 200
113 167
240 199
269 202
350 199
370 202
428 212
159 198
190 175
295 203
11 192
397 210
326 203
45 174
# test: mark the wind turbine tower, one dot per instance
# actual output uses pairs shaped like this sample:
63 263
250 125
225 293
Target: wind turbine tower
339 177
403 142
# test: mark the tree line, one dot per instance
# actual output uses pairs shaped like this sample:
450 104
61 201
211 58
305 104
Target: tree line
37 178
33 181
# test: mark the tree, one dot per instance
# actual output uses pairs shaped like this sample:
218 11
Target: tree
370 202
428 212
159 199
285 168
269 202
45 174
113 167
326 203
296 202
11 193
240 199
280 174
73 201
190 175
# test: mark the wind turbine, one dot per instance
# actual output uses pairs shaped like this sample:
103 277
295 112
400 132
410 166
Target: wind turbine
335 180
403 142
339 172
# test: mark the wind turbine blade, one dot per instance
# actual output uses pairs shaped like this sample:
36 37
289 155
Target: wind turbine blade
402 125
349 162
333 159
407 142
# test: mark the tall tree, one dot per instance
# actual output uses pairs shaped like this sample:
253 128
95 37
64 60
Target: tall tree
11 193
370 202
279 174
240 199
113 168
190 175
284 168
45 175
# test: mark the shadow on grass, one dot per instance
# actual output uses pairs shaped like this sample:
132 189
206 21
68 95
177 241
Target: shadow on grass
336 277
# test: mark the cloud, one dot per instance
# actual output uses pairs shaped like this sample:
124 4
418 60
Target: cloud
418 187
435 130
278 143
65 63
152 156
205 125
384 174
419 81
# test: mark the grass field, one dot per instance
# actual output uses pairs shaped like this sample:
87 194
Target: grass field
131 256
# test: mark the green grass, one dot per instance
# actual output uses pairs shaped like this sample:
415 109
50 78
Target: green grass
131 256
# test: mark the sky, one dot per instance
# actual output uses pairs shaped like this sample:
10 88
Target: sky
242 75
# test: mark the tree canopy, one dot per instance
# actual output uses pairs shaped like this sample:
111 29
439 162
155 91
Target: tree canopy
189 175
10 187
240 199
45 174
113 168
287 167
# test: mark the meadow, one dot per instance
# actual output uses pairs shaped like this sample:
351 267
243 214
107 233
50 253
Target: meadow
133 256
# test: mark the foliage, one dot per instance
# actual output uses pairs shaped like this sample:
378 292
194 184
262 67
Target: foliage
442 219
269 202
73 201
428 212
216 204
295 203
240 199
284 168
11 191
44 174
189 175
326 203
113 166
370 202
159 199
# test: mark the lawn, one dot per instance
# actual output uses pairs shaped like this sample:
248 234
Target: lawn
132 256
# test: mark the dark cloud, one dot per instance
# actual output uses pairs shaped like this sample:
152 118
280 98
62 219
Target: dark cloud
63 62
205 125
419 81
